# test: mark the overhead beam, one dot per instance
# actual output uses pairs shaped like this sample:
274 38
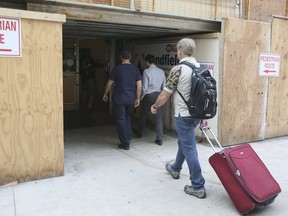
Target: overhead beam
132 18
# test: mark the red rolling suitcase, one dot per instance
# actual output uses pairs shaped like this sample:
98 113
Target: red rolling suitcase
245 177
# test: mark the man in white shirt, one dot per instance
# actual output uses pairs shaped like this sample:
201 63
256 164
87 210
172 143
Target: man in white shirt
180 78
153 81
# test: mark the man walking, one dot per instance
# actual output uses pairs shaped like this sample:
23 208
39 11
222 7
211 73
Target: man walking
127 80
153 81
180 78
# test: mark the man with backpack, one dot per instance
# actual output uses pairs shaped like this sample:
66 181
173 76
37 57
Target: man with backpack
179 80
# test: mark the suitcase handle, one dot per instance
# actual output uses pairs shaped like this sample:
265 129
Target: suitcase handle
204 129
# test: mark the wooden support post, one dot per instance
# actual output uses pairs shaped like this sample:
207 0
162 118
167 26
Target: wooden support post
286 11
248 9
216 9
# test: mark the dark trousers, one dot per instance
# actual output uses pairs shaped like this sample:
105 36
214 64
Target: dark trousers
146 104
123 122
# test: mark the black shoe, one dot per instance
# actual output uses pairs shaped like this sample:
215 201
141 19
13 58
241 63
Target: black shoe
121 146
159 142
135 131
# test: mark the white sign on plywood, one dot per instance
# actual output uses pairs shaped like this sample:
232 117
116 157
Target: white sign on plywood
10 37
269 64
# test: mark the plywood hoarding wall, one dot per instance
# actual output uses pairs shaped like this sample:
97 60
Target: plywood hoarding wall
243 92
31 101
262 10
277 108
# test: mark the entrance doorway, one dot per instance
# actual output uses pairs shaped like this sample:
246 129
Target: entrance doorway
85 73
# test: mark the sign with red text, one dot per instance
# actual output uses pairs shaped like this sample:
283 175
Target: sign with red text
269 64
209 66
10 37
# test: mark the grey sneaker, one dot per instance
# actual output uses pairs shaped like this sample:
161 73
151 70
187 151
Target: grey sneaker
175 174
201 194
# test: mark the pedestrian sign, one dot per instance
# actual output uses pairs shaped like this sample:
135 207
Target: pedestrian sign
10 37
269 64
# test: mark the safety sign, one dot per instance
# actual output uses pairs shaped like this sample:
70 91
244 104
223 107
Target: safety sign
269 64
10 37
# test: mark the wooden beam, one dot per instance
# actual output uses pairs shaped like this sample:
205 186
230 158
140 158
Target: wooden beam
216 9
248 9
33 15
286 11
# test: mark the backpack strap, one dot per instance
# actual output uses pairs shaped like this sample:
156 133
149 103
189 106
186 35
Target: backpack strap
189 65
193 67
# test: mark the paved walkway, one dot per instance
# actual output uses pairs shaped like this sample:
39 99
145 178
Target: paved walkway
101 180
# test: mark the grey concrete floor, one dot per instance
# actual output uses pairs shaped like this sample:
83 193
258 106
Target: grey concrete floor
102 180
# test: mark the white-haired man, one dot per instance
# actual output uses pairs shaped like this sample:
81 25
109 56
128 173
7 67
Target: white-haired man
180 78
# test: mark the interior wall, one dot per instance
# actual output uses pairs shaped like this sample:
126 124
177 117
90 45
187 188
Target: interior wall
31 101
277 108
140 49
97 50
243 92
207 52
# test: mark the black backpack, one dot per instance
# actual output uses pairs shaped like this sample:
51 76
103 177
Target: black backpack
202 103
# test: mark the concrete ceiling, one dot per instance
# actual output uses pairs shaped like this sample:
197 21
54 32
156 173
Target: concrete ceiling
96 22
92 29
102 22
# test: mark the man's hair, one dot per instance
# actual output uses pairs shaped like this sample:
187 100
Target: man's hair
150 59
187 46
125 54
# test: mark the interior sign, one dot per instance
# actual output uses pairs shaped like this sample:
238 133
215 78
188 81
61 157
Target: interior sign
209 66
10 37
269 64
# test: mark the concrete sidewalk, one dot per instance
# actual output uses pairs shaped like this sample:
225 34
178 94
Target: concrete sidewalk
101 180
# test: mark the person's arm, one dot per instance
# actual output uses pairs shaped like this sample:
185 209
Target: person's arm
138 93
161 100
171 84
164 80
107 89
144 84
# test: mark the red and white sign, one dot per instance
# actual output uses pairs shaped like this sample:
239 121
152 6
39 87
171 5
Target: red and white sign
209 66
269 64
10 37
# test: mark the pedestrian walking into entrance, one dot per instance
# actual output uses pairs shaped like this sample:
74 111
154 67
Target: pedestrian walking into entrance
179 78
127 91
89 87
153 81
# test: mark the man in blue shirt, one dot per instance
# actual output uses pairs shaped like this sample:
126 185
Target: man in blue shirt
153 82
127 90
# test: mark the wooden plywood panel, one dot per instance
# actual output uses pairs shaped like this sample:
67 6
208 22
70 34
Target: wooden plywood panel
31 106
277 109
262 10
243 92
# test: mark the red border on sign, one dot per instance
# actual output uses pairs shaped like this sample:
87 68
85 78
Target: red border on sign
19 39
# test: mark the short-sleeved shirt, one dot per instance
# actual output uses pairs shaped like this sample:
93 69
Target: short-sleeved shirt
125 77
180 78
